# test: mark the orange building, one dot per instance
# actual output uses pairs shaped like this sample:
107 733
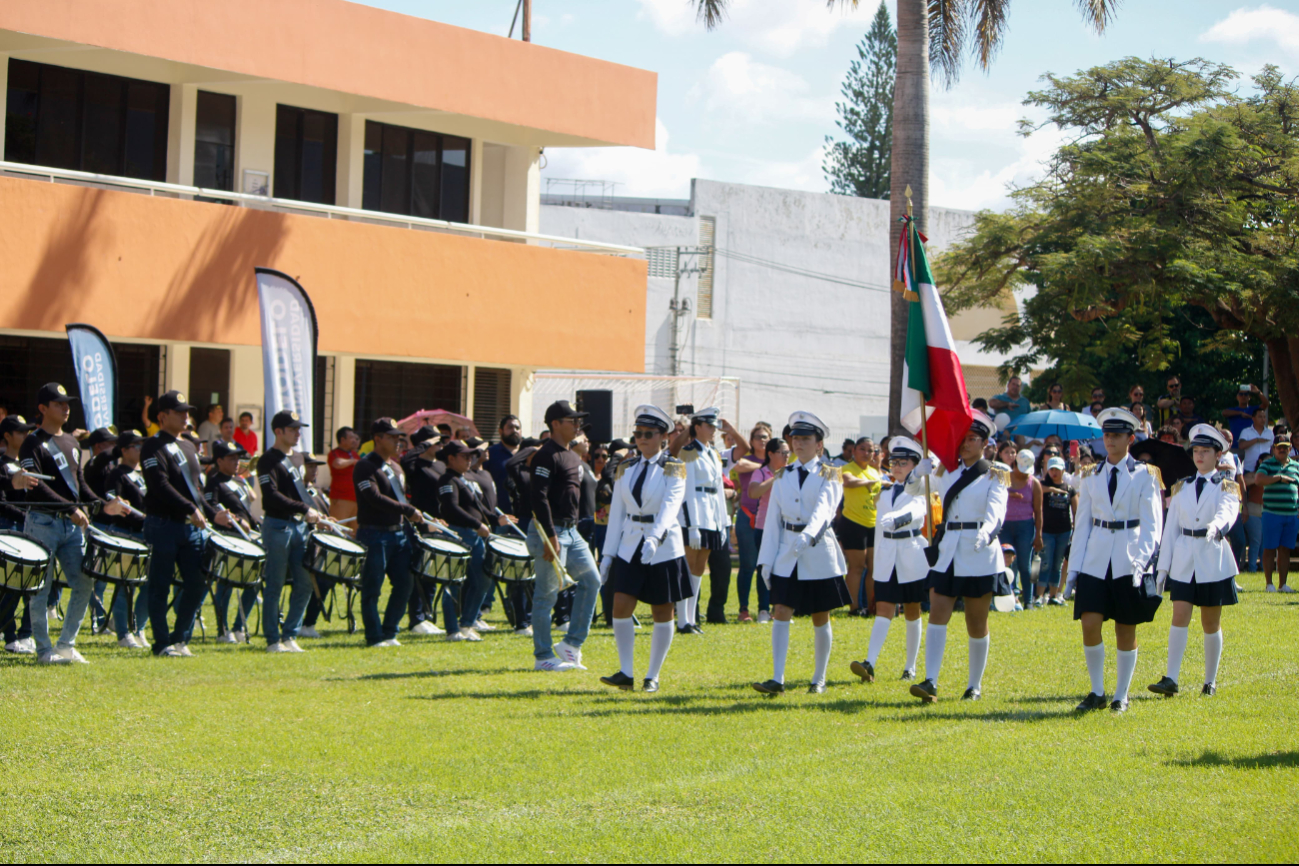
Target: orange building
156 151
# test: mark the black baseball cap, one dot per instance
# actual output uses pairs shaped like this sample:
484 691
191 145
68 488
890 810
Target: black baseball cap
128 439
452 448
15 424
313 460
100 436
287 420
384 427
222 449
561 409
476 443
424 434
618 445
53 393
173 401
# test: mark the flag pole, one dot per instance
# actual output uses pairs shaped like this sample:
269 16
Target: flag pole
924 408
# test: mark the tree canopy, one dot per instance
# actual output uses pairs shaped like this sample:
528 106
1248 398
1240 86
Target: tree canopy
860 166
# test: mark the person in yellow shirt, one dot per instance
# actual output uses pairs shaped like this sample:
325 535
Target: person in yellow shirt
855 527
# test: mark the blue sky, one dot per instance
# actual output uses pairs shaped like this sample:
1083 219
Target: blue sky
752 101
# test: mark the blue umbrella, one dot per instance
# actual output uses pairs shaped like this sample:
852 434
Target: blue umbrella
1053 422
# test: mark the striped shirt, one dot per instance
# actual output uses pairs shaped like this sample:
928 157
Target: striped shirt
1280 497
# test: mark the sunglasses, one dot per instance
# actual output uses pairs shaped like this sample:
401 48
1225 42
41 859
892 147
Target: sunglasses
644 434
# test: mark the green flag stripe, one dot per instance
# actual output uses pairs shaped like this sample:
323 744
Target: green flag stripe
917 354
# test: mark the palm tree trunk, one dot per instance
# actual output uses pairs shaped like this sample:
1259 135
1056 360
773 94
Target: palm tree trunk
910 167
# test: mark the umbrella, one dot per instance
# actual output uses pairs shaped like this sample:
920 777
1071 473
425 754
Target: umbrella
1173 461
1054 422
434 417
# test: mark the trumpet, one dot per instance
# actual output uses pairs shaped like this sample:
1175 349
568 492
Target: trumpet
564 580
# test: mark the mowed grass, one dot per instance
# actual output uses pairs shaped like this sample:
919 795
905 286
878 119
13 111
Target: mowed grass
459 752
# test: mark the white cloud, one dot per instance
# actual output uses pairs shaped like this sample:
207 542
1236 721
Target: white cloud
1265 23
953 182
967 131
656 173
738 89
778 27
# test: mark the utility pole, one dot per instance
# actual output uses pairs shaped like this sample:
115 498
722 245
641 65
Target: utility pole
687 261
527 20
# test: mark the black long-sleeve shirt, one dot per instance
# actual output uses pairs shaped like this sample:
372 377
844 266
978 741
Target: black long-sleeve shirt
556 485
164 458
376 500
486 488
44 454
224 491
461 505
128 485
8 466
96 473
422 478
279 480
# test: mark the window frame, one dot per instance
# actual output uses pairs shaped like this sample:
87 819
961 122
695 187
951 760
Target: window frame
372 189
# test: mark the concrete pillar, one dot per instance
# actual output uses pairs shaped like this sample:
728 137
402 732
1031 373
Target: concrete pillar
4 88
351 160
255 145
178 368
522 380
246 384
475 181
522 189
181 119
345 394
471 372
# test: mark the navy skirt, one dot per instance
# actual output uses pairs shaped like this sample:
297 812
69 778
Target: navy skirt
665 583
891 592
1217 593
807 597
948 584
709 539
1115 598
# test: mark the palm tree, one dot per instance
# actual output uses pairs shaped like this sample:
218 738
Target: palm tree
930 32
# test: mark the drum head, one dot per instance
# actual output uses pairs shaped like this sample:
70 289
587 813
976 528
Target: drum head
446 546
119 543
237 546
510 548
338 543
20 548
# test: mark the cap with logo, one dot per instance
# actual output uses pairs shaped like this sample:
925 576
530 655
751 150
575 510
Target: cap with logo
100 436
15 424
287 421
384 427
452 449
222 449
981 425
903 448
806 424
1055 463
53 393
1117 420
424 434
173 401
707 416
561 409
1208 436
653 416
476 443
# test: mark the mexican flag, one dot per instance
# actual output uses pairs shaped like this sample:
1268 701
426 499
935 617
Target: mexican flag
932 381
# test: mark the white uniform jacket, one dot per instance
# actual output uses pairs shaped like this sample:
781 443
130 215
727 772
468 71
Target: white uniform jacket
981 506
1099 542
705 503
809 510
656 516
1206 553
900 509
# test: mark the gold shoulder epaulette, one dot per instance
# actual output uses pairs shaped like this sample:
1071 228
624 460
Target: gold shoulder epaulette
780 472
1089 471
674 468
1002 475
1177 488
690 455
621 470
831 473
1154 470
1231 488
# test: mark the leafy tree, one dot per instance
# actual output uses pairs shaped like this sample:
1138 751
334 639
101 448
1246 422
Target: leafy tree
1171 191
860 166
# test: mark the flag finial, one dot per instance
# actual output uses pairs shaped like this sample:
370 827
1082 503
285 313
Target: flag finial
908 195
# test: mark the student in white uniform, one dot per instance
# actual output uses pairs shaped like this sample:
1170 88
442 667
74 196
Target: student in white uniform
1120 521
965 558
644 556
1198 557
705 523
899 556
800 558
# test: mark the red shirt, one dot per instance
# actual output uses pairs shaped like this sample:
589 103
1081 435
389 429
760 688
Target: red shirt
340 478
247 441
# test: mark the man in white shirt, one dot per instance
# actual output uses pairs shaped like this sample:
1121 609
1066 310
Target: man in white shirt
1255 441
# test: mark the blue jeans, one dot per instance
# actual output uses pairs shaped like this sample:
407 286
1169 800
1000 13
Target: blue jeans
468 597
387 552
177 545
221 605
1054 546
286 544
580 564
1254 538
63 539
1019 534
750 540
121 622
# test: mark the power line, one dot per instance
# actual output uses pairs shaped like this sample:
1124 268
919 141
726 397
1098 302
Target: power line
746 258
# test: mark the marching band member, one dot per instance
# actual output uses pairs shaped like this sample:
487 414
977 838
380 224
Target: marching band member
13 482
704 519
322 585
101 443
800 557
225 490
288 514
966 559
644 554
1120 520
1198 558
126 482
461 505
899 556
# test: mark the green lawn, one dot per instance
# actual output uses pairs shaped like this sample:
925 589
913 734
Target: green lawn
459 752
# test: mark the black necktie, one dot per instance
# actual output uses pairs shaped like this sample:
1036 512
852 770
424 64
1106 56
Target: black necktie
897 488
1199 488
1114 482
640 482
802 475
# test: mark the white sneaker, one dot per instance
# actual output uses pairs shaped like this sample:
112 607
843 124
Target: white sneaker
293 646
70 653
141 639
764 616
278 648
52 613
17 647
1239 588
391 642
228 637
128 642
50 657
309 632
426 627
171 653
239 636
570 654
29 643
1286 588
1271 588
553 666
463 634
526 631
183 649
482 626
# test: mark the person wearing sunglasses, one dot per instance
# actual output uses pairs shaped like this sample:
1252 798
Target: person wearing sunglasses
1055 398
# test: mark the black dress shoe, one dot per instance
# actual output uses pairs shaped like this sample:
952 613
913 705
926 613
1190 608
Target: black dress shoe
695 629
619 680
770 687
865 670
1209 690
684 629
971 694
1119 706
926 691
1093 701
816 689
908 676
649 686
1166 686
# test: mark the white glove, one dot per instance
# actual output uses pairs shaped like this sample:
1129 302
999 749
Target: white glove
648 548
765 574
980 540
885 524
1070 583
925 467
1215 535
606 565
801 541
694 538
1160 580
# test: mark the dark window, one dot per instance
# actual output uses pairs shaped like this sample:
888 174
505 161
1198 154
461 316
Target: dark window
27 363
306 154
209 381
491 400
395 389
214 142
415 173
86 121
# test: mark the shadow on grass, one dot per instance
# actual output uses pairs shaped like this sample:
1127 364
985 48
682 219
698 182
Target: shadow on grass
1251 762
527 695
415 675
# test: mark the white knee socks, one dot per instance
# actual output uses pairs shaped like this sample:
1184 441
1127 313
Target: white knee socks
660 642
978 659
1176 649
1212 655
822 640
935 643
624 633
1095 656
913 644
1127 667
779 649
879 632
687 609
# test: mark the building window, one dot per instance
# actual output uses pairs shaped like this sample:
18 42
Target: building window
214 142
491 400
416 173
396 389
86 121
306 154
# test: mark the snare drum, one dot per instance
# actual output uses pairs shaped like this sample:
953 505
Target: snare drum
439 559
23 562
115 559
510 560
335 557
233 560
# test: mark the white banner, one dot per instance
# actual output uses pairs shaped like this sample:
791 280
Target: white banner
288 351
96 374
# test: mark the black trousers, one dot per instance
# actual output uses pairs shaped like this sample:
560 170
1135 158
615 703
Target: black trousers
15 630
719 583
314 607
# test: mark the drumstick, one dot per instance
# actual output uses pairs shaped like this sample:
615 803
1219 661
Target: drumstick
511 524
433 524
564 580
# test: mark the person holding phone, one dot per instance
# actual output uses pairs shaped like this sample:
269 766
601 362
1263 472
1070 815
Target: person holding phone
1241 416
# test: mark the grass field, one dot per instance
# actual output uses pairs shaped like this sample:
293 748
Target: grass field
459 752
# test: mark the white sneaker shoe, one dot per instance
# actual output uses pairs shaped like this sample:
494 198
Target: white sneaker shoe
52 614
278 648
309 632
171 653
141 639
764 616
570 654
183 649
1239 588
128 642
482 626
239 636
526 631
463 635
228 637
426 627
29 643
391 642
50 657
17 646
70 653
1286 588
553 666
292 644
1272 587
